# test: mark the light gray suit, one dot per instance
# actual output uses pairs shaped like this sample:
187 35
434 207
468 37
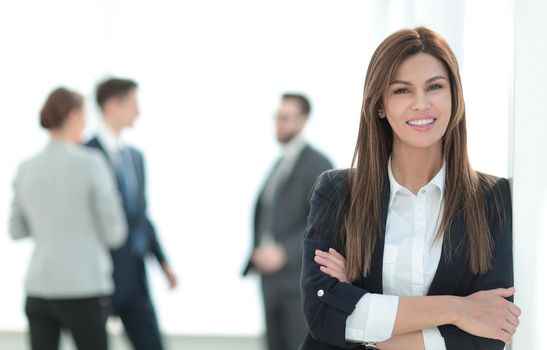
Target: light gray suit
67 200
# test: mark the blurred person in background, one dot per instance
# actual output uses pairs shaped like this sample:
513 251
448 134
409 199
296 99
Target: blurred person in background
279 224
410 248
117 99
65 198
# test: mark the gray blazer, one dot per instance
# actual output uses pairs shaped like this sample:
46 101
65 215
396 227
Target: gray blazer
289 222
66 199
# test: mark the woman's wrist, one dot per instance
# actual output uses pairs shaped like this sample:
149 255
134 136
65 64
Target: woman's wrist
454 306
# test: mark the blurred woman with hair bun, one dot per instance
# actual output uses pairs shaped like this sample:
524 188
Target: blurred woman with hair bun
66 200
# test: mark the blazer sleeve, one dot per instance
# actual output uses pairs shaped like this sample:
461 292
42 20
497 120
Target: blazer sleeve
500 275
327 303
155 246
18 225
106 204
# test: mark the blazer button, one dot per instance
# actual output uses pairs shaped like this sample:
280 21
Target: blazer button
320 293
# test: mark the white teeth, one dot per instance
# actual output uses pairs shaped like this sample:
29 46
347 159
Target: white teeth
421 121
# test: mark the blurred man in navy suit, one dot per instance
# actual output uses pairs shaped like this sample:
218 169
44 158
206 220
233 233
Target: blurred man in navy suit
131 301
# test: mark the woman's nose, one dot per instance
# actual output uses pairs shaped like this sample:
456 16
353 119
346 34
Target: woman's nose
421 102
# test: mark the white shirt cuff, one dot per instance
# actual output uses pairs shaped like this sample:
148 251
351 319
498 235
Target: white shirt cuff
433 340
373 318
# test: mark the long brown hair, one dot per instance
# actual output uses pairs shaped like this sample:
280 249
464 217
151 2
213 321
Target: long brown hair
368 174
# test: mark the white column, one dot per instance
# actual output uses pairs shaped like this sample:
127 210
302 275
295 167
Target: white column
529 147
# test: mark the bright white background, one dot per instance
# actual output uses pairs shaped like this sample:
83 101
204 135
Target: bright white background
210 75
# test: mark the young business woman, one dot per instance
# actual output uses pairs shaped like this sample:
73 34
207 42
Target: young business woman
66 200
410 248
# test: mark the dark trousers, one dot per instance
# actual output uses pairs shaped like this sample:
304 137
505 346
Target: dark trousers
84 318
132 303
285 324
140 323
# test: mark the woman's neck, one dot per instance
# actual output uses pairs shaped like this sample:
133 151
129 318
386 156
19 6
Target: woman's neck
413 168
64 136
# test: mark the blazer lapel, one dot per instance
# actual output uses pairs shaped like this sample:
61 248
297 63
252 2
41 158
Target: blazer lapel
95 143
453 261
293 172
373 281
258 202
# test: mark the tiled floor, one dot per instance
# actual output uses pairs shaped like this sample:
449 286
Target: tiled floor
18 341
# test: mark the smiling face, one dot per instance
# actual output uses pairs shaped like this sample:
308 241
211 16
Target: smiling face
418 102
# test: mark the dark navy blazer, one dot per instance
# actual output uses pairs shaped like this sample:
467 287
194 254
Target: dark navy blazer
129 272
326 311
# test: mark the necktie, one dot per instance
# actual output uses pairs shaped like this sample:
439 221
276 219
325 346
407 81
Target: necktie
271 189
128 182
127 178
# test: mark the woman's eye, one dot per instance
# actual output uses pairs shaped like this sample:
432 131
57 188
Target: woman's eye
435 87
401 91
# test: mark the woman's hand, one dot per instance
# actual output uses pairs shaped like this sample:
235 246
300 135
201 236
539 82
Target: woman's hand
332 263
488 314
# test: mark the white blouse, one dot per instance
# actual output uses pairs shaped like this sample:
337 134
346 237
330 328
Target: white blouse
411 258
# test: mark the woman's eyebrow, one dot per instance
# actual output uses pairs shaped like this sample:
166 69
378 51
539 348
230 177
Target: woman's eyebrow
404 82
437 77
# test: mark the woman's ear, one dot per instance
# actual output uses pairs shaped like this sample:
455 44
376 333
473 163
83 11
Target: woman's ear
381 113
72 116
76 118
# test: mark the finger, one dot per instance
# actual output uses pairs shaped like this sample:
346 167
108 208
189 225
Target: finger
329 257
329 271
333 273
513 320
330 253
509 328
505 337
504 292
515 310
338 255
328 263
332 258
333 270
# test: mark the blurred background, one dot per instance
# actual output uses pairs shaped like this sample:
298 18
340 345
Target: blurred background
210 75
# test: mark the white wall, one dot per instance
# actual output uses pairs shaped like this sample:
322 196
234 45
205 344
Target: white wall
529 172
210 74
44 44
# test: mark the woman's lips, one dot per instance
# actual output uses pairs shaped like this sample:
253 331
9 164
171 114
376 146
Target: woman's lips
422 123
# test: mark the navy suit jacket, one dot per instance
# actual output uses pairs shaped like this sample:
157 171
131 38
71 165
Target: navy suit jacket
326 312
127 275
